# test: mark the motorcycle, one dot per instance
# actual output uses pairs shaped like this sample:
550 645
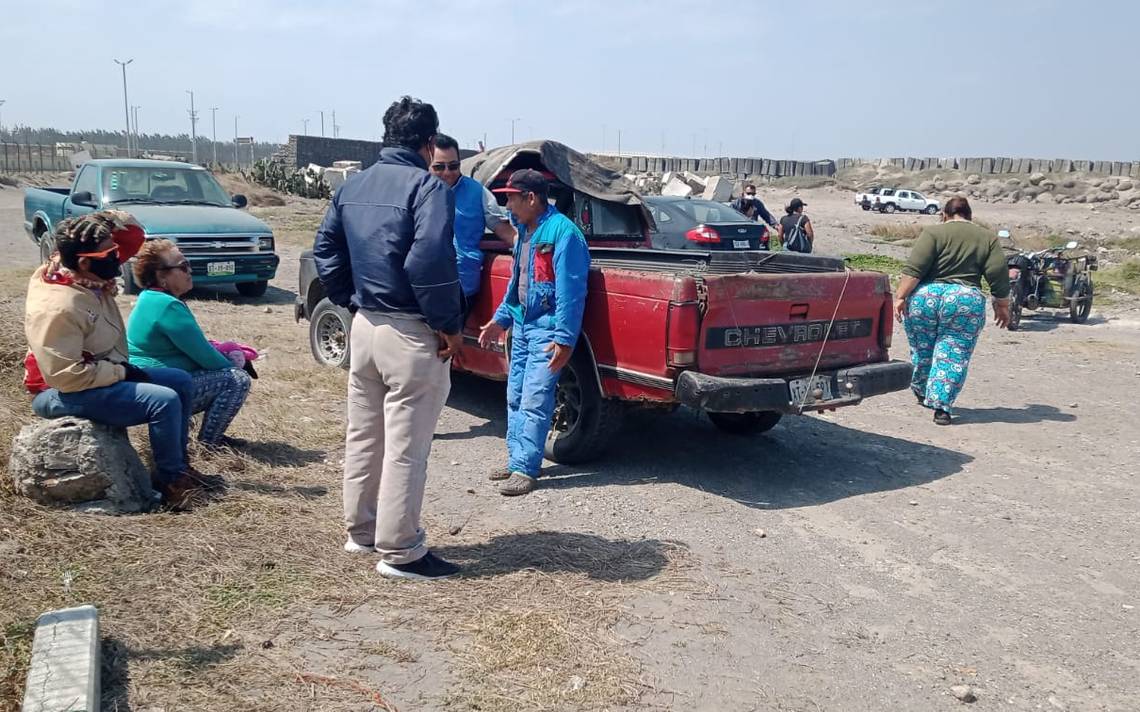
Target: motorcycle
1050 279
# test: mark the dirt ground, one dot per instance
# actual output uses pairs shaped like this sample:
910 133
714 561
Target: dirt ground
861 560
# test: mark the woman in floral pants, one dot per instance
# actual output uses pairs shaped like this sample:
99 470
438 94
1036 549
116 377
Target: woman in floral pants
941 303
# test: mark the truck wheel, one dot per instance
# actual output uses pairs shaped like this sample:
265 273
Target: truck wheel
46 246
931 209
1080 307
890 208
866 207
129 284
745 423
329 329
252 289
583 421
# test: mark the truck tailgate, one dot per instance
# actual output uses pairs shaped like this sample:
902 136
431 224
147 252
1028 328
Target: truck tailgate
774 324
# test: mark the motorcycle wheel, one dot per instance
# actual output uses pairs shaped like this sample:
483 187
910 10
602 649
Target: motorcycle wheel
1081 307
1014 307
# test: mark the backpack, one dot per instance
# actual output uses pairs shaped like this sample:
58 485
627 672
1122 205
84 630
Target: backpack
796 239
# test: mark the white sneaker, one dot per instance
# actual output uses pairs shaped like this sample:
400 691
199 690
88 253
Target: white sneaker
353 548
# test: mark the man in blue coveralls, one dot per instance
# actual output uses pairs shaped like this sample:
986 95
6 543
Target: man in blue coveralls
476 212
544 304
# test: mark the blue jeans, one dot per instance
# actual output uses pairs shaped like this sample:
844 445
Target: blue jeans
220 394
163 405
531 388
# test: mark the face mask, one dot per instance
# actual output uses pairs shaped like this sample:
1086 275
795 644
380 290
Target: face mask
105 267
749 196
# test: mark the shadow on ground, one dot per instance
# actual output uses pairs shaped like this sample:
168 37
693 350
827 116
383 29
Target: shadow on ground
274 296
549 552
1032 413
117 657
803 461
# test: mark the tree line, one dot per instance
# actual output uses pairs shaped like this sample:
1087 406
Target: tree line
156 142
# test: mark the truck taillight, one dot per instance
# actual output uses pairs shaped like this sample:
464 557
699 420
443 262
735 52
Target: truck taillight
886 322
683 335
702 234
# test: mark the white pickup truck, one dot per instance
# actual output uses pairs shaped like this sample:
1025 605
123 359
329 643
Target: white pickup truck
890 200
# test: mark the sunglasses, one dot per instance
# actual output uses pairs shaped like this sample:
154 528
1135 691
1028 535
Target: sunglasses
113 250
184 266
441 167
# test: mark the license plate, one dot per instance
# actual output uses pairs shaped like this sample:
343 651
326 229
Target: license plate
741 244
219 269
801 387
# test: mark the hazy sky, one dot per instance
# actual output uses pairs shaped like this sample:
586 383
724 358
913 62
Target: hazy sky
1045 78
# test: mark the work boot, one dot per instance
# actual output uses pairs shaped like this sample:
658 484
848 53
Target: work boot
500 473
518 484
181 493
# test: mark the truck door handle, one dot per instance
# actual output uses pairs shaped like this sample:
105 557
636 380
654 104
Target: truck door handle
798 311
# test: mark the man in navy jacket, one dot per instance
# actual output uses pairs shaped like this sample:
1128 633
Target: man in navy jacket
385 252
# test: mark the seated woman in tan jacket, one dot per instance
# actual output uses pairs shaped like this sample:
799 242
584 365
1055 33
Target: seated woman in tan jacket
77 363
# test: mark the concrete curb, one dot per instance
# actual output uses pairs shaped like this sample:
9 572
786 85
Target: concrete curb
64 673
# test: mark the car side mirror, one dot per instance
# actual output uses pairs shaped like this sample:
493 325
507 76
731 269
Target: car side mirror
1071 245
240 201
84 198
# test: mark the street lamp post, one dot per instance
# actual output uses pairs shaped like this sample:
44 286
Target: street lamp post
126 106
214 129
513 129
135 128
305 124
1 115
236 159
193 129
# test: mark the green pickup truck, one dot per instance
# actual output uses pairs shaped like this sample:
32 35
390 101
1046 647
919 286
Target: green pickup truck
176 201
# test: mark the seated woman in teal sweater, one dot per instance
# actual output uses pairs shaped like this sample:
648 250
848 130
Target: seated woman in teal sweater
162 333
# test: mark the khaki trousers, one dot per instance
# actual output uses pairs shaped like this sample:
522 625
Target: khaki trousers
397 386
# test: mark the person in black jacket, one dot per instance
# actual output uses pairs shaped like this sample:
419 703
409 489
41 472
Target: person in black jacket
385 252
749 204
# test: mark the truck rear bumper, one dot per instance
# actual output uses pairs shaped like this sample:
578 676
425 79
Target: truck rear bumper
848 386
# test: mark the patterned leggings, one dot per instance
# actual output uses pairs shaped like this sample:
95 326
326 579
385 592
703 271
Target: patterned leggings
943 322
220 394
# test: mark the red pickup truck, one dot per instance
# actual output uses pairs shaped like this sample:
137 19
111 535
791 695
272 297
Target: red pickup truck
746 337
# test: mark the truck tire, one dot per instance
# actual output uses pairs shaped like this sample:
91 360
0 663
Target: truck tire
130 286
745 423
931 209
330 328
47 246
252 289
890 208
584 421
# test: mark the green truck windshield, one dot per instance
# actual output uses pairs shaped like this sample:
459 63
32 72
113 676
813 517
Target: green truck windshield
162 185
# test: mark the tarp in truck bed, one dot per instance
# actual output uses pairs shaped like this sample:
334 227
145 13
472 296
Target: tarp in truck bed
570 167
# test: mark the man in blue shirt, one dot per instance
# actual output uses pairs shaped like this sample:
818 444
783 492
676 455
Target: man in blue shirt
543 308
476 212
385 251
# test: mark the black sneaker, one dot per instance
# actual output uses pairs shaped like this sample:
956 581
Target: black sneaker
429 567
941 417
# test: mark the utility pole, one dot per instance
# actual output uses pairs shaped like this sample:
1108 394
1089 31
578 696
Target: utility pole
214 128
1 115
322 124
513 129
126 106
335 127
135 130
237 160
193 129
619 142
305 124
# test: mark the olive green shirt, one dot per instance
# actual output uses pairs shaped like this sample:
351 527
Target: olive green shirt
959 252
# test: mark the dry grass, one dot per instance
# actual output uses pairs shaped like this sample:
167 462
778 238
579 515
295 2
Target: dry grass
213 609
897 232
